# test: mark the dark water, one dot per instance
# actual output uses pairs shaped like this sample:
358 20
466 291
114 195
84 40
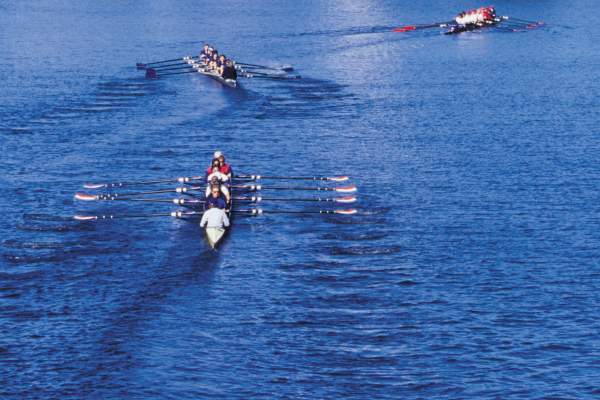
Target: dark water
472 271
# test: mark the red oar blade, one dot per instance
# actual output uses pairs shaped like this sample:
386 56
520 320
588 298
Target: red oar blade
85 196
405 28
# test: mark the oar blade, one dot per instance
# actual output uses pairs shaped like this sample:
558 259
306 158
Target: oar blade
346 189
346 212
151 73
85 196
94 185
345 199
85 217
338 178
405 28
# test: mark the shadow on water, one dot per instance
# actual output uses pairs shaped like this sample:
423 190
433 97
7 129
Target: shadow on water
186 264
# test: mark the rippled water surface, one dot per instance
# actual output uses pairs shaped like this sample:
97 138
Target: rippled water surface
471 270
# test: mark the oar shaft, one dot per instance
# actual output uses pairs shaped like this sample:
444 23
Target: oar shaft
259 211
173 73
186 66
304 178
160 67
174 214
345 189
183 189
257 199
182 179
164 61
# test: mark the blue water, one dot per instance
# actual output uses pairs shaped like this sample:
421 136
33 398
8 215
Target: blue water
470 272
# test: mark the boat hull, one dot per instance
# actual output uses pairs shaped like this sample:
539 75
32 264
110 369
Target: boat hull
469 27
214 236
232 83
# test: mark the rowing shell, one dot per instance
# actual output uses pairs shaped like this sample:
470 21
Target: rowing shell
471 27
201 69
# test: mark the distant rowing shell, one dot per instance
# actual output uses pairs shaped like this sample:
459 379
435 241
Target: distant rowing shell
470 27
232 83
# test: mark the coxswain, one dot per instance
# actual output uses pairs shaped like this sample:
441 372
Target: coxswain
214 217
224 168
215 198
229 71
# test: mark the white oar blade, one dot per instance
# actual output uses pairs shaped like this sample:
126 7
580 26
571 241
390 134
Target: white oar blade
346 189
346 199
85 197
94 185
85 217
346 212
338 178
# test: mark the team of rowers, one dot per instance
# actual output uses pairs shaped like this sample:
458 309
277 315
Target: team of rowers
479 16
220 64
218 196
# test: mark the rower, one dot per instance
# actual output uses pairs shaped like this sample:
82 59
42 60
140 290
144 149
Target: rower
221 64
229 71
214 217
461 18
224 168
217 178
215 198
213 61
204 54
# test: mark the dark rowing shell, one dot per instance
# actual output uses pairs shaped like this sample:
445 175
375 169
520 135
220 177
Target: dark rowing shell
469 27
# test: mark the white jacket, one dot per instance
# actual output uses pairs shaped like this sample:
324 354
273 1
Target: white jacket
214 218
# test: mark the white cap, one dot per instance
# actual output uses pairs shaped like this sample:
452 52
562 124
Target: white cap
217 154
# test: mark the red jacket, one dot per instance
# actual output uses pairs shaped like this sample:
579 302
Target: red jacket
225 169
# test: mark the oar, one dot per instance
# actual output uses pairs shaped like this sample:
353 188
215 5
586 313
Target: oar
92 197
174 214
304 178
171 68
144 65
258 199
409 28
182 179
345 189
259 211
520 24
152 74
107 197
524 21
267 76
166 66
282 68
